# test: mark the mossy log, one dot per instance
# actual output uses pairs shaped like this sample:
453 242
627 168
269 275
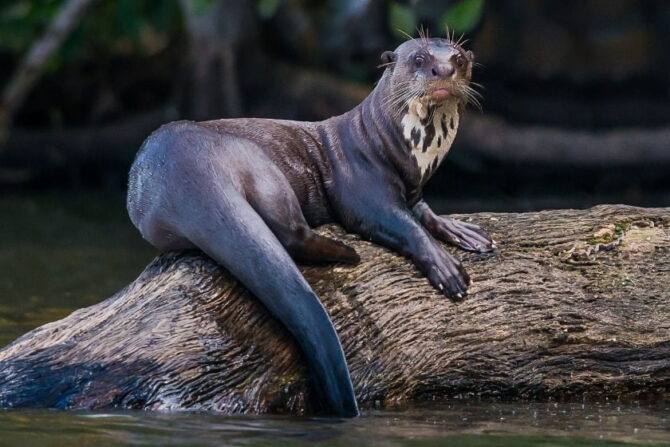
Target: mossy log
571 304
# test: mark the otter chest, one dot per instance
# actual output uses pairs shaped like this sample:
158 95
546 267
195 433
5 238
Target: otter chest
429 133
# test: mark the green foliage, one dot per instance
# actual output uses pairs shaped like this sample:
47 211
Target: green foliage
460 17
268 8
141 27
402 20
21 20
463 16
199 6
116 26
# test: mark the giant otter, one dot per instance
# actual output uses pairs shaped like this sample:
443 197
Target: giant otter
248 191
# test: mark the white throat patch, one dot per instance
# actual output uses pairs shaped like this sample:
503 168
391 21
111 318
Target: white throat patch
429 138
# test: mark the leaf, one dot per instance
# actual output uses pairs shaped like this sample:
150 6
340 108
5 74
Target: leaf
463 16
199 7
129 17
402 19
268 8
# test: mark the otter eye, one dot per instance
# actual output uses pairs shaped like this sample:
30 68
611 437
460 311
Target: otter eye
459 61
418 61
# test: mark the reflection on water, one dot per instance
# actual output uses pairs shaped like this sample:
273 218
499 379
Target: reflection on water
59 253
447 424
62 252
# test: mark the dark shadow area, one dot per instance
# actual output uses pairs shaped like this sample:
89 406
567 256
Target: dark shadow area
579 67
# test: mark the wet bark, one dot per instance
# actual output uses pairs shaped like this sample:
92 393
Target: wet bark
573 304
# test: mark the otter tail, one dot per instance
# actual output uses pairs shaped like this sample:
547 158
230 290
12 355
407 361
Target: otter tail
229 230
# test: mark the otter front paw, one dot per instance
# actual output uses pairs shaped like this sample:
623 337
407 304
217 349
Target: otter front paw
464 235
445 273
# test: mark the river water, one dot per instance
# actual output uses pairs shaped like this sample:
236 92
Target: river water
59 252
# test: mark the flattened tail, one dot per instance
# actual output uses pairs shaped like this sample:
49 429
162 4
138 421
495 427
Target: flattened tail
231 232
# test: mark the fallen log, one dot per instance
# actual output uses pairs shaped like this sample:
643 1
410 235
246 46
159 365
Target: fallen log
574 303
492 138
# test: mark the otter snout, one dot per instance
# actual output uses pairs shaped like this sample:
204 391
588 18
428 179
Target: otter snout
433 70
443 71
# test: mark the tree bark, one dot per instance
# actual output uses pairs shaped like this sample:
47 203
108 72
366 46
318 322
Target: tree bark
573 303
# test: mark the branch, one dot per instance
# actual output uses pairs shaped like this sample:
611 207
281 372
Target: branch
492 138
32 66
574 303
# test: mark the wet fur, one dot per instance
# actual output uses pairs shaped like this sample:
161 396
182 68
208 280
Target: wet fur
248 191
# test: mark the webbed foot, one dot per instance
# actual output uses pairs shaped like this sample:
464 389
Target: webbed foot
445 272
463 235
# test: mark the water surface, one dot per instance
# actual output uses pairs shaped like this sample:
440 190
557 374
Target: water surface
60 252
446 424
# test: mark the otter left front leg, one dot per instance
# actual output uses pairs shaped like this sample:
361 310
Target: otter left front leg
463 235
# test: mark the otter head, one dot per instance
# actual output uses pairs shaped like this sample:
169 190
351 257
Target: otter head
432 70
427 83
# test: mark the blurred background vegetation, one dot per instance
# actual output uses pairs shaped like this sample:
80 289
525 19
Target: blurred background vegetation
576 111
576 98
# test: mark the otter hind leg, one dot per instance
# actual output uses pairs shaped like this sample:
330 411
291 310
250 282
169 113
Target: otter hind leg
288 223
308 246
203 199
229 230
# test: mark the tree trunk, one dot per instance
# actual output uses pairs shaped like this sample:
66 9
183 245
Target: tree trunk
216 33
572 304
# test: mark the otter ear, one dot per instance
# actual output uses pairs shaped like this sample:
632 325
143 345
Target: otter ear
389 57
470 55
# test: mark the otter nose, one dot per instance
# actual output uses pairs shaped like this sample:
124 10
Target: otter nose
443 70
